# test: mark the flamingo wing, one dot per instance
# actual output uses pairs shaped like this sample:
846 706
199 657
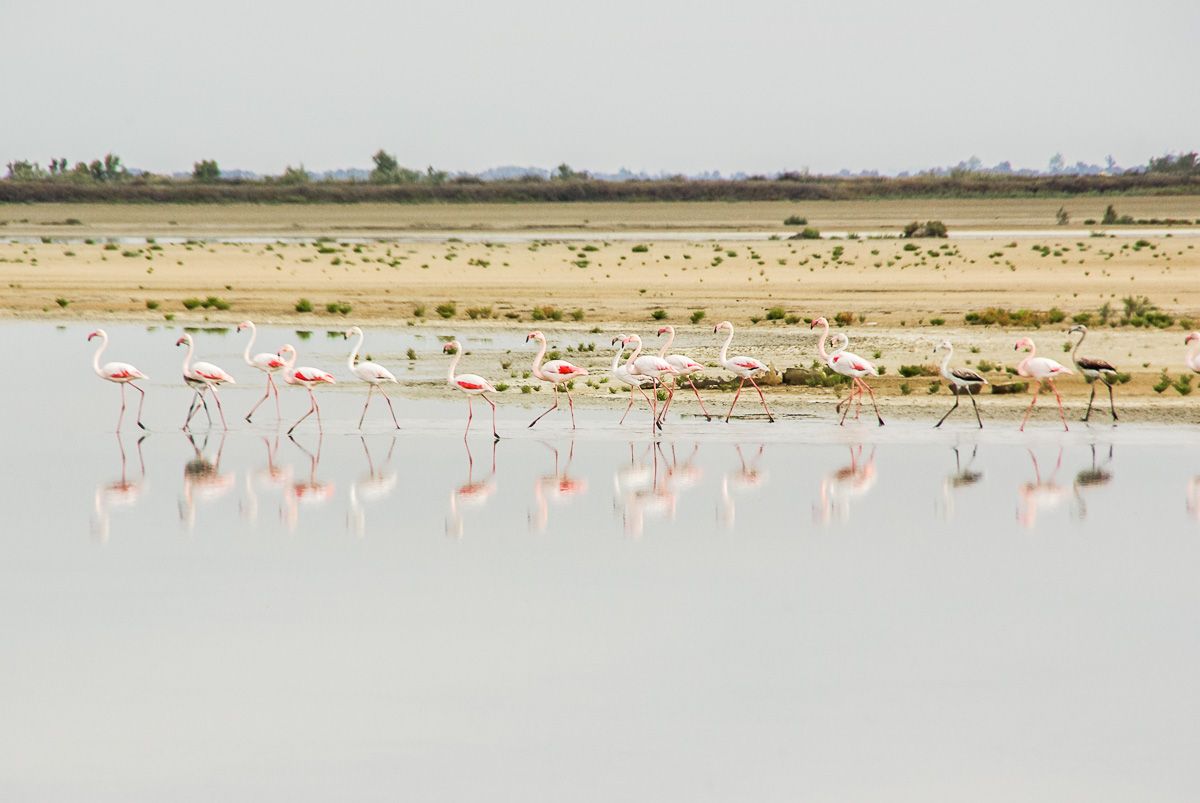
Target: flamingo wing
473 382
373 372
267 362
967 376
684 364
748 363
118 371
313 375
558 370
1088 364
208 372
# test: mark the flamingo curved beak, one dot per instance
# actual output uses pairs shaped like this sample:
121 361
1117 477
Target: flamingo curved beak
93 334
181 341
449 348
662 331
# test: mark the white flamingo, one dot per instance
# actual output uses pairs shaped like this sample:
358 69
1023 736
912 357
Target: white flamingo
1043 369
469 384
307 378
556 372
848 365
963 380
202 377
121 373
745 368
372 373
267 362
655 368
685 367
621 372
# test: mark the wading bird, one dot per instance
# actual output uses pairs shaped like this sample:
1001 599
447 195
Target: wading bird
656 369
307 378
1092 370
1191 359
1043 369
745 368
202 377
372 373
556 372
621 372
962 380
850 365
470 384
684 367
121 373
267 362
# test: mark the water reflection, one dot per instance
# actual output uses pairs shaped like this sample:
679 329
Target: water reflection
271 477
203 482
647 492
471 494
306 493
964 476
1092 478
747 477
121 493
841 487
378 483
1041 495
559 489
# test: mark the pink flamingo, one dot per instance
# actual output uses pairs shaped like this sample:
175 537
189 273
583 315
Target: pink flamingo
744 367
1191 359
1043 369
556 372
202 377
267 362
472 493
656 369
470 384
684 367
307 378
308 493
621 372
849 365
559 488
372 373
121 373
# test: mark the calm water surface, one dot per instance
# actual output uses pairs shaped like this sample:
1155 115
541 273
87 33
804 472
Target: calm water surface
741 612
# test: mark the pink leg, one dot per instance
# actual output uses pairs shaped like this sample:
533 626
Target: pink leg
220 409
1024 420
317 408
312 406
699 400
735 398
121 414
391 409
629 406
361 418
495 435
653 407
572 405
763 399
275 390
266 395
1061 414
470 415
878 417
141 403
553 407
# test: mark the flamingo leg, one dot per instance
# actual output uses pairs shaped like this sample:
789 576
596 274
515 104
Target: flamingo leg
846 409
204 401
629 406
1111 408
266 395
142 402
948 412
470 415
1061 413
193 408
571 404
275 390
495 435
220 409
653 407
763 399
699 400
361 418
662 416
1091 399
735 399
976 406
553 407
311 408
391 409
878 417
121 413
1037 390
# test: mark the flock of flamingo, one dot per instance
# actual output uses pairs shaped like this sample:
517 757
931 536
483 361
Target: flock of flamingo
659 372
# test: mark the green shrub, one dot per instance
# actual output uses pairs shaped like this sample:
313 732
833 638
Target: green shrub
303 305
807 233
795 220
930 228
338 307
62 302
844 318
419 311
659 314
191 303
697 315
937 321
151 304
446 310
776 314
475 313
577 314
640 249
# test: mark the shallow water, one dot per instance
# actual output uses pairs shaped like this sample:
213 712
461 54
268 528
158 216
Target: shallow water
740 612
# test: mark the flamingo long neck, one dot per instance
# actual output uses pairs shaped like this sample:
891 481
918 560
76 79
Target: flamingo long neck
250 344
1075 351
637 351
725 346
617 356
946 361
1193 348
820 343
290 363
537 361
353 358
450 374
670 339
187 358
99 351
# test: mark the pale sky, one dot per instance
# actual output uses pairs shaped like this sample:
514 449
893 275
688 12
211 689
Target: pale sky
681 86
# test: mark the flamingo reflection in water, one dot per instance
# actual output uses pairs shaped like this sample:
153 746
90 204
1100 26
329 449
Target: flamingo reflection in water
203 481
559 489
962 477
748 477
1096 476
122 493
1193 497
841 487
1041 495
644 492
470 494
376 484
308 493
270 476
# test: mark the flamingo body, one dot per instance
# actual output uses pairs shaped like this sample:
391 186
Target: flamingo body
556 372
470 384
743 367
120 373
1042 369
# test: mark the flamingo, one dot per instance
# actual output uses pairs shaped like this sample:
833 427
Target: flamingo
1043 369
963 477
559 488
267 362
840 487
656 499
746 368
203 480
749 477
470 384
684 368
1192 358
850 365
1093 370
307 378
621 372
376 484
472 493
656 368
121 373
1039 495
1094 477
269 476
962 380
309 493
202 377
117 494
556 372
372 373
